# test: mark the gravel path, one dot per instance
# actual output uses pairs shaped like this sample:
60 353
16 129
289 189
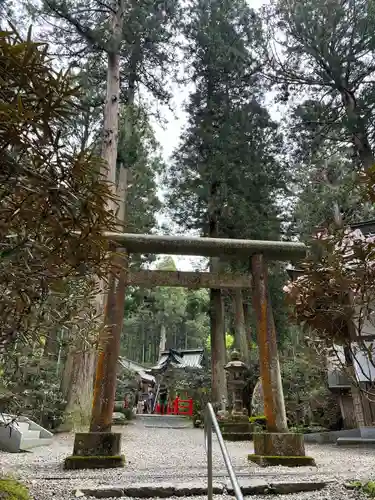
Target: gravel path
160 455
44 492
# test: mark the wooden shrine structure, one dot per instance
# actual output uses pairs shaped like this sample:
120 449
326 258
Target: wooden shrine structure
257 253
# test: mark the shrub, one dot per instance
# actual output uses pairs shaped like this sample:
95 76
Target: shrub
259 420
11 489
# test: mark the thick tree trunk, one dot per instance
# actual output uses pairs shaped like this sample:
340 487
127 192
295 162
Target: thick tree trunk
217 323
247 316
51 346
109 342
77 387
355 386
240 328
109 351
218 348
274 406
358 130
163 339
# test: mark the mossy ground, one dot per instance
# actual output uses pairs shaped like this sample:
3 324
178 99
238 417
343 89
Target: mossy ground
10 489
367 488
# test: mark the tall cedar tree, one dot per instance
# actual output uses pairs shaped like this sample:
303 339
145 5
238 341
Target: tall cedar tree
225 174
325 49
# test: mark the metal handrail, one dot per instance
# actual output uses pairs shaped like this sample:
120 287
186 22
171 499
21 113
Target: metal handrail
210 422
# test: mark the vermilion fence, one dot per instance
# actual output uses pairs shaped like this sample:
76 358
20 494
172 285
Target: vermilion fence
178 407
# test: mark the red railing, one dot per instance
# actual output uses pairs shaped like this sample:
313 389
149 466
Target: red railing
178 407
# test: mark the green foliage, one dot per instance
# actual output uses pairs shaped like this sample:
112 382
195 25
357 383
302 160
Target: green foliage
367 488
342 262
48 195
229 341
328 54
183 314
129 415
308 400
81 30
10 489
225 171
257 419
138 151
31 386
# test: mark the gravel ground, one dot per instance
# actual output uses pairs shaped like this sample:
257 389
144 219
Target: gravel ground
334 492
162 455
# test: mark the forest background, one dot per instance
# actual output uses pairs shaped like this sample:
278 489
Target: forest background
276 137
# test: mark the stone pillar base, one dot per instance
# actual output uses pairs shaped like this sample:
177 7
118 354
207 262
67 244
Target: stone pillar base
96 450
273 448
236 429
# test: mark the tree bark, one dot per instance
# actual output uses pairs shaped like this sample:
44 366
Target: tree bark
274 406
247 316
358 130
106 370
240 328
112 102
163 339
109 341
51 346
218 348
77 386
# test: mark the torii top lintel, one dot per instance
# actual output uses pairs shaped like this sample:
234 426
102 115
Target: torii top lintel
207 247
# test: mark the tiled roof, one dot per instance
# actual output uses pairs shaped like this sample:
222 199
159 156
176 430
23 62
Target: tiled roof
136 368
187 358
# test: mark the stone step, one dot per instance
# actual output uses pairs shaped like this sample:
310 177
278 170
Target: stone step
199 488
235 427
22 426
30 434
28 443
237 436
355 441
165 421
25 434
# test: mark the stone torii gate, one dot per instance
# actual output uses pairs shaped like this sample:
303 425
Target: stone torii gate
100 447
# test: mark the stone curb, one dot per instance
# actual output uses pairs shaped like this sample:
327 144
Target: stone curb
167 490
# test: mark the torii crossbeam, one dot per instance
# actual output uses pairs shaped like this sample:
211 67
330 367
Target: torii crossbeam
256 251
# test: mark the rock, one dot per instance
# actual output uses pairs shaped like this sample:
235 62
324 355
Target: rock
249 486
95 462
283 461
197 489
118 418
161 490
104 492
296 487
95 450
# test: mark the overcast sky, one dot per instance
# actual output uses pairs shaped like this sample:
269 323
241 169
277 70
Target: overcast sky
168 135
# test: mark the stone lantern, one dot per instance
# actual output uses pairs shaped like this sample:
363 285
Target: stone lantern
236 371
236 426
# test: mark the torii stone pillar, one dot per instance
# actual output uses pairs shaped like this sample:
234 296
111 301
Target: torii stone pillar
277 446
101 447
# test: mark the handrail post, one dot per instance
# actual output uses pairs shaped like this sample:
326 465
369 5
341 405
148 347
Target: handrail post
210 425
210 487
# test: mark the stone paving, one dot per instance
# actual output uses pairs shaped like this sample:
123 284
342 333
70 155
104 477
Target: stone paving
164 455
